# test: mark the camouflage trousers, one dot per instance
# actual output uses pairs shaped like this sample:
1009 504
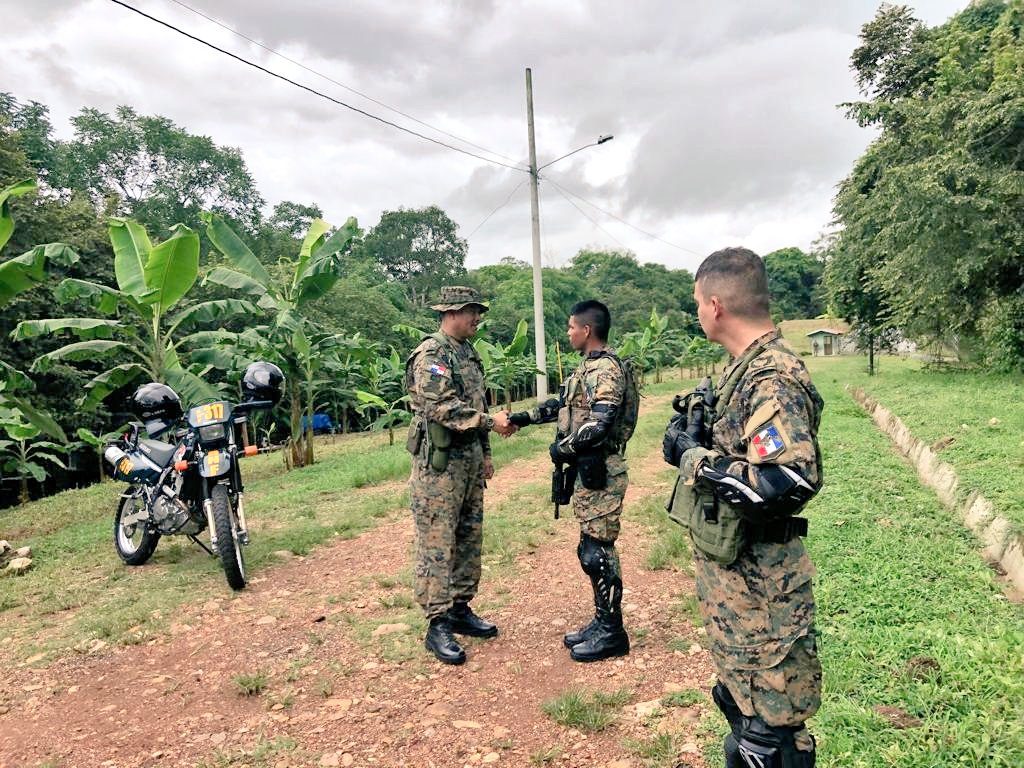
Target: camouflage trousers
448 510
759 616
599 511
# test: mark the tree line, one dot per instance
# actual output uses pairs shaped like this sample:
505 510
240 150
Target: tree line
159 262
930 231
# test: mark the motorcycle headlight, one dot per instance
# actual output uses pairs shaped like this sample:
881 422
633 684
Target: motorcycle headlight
212 433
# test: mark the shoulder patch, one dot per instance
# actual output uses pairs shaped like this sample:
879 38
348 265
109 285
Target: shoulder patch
768 442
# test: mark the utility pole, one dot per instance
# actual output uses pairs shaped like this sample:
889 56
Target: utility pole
538 288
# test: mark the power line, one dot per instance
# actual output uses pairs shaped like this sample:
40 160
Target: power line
587 215
622 220
339 84
502 205
315 92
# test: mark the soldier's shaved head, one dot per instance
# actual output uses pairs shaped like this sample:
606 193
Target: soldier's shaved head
737 277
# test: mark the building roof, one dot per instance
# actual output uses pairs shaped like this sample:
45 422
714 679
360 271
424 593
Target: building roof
829 331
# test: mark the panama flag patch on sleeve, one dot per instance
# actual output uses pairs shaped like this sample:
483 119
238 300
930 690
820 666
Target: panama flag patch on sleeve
438 370
768 442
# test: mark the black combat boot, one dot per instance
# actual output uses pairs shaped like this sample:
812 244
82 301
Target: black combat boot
583 634
464 622
580 635
607 640
442 644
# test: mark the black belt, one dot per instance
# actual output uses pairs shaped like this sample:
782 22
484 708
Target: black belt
777 531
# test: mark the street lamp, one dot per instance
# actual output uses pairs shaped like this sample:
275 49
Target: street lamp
538 288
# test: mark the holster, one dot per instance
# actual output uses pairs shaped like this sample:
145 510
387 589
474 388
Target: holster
593 470
563 480
439 441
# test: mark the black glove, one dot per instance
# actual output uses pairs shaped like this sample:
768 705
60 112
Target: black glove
549 409
558 456
677 441
520 418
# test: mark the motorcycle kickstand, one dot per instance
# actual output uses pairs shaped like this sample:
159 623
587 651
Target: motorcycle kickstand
194 540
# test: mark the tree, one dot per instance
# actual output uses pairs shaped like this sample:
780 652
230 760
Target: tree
794 280
419 248
137 325
18 275
292 339
930 226
160 172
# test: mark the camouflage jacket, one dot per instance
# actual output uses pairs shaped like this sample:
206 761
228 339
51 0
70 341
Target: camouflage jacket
598 379
775 399
445 383
756 608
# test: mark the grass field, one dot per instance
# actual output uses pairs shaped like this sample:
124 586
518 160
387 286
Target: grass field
983 413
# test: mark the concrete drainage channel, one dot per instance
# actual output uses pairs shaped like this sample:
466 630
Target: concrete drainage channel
1000 544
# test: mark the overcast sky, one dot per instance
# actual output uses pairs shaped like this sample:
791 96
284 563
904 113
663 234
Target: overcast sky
724 115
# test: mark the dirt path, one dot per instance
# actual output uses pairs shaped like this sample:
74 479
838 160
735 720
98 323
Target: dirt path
335 700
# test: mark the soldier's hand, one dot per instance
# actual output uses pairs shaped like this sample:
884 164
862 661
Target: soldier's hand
677 441
502 425
558 456
488 468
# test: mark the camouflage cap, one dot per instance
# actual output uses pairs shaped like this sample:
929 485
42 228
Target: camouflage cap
454 297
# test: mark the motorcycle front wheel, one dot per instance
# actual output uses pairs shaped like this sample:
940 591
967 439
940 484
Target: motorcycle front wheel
229 548
134 542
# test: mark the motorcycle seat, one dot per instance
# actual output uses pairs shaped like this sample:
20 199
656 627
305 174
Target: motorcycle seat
157 450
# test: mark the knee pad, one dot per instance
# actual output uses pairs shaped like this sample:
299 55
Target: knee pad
592 554
759 745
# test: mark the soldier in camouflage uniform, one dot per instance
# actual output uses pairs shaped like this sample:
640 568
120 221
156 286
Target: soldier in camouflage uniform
589 438
742 480
449 440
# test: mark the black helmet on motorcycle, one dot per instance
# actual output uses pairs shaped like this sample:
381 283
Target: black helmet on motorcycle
262 381
157 406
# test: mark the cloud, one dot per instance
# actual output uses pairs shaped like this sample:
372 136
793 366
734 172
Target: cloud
724 115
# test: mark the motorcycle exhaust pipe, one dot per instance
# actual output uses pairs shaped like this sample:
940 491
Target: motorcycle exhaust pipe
113 454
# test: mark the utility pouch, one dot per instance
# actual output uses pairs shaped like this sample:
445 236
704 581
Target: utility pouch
593 471
439 440
414 440
716 528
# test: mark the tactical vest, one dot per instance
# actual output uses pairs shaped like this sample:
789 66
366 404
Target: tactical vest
716 528
573 414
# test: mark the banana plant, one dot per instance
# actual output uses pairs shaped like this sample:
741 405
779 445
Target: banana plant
391 412
506 366
98 443
290 338
22 455
28 270
137 322
651 347
17 275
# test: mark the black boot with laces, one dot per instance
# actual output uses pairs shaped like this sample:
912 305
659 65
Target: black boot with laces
442 643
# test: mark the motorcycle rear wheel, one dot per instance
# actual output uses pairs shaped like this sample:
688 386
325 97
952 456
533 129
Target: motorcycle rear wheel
136 542
229 548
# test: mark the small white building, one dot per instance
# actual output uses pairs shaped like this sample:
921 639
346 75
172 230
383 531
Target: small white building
828 342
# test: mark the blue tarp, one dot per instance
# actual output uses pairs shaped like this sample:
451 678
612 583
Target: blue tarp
321 423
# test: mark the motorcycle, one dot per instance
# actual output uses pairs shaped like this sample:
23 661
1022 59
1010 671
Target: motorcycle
194 483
